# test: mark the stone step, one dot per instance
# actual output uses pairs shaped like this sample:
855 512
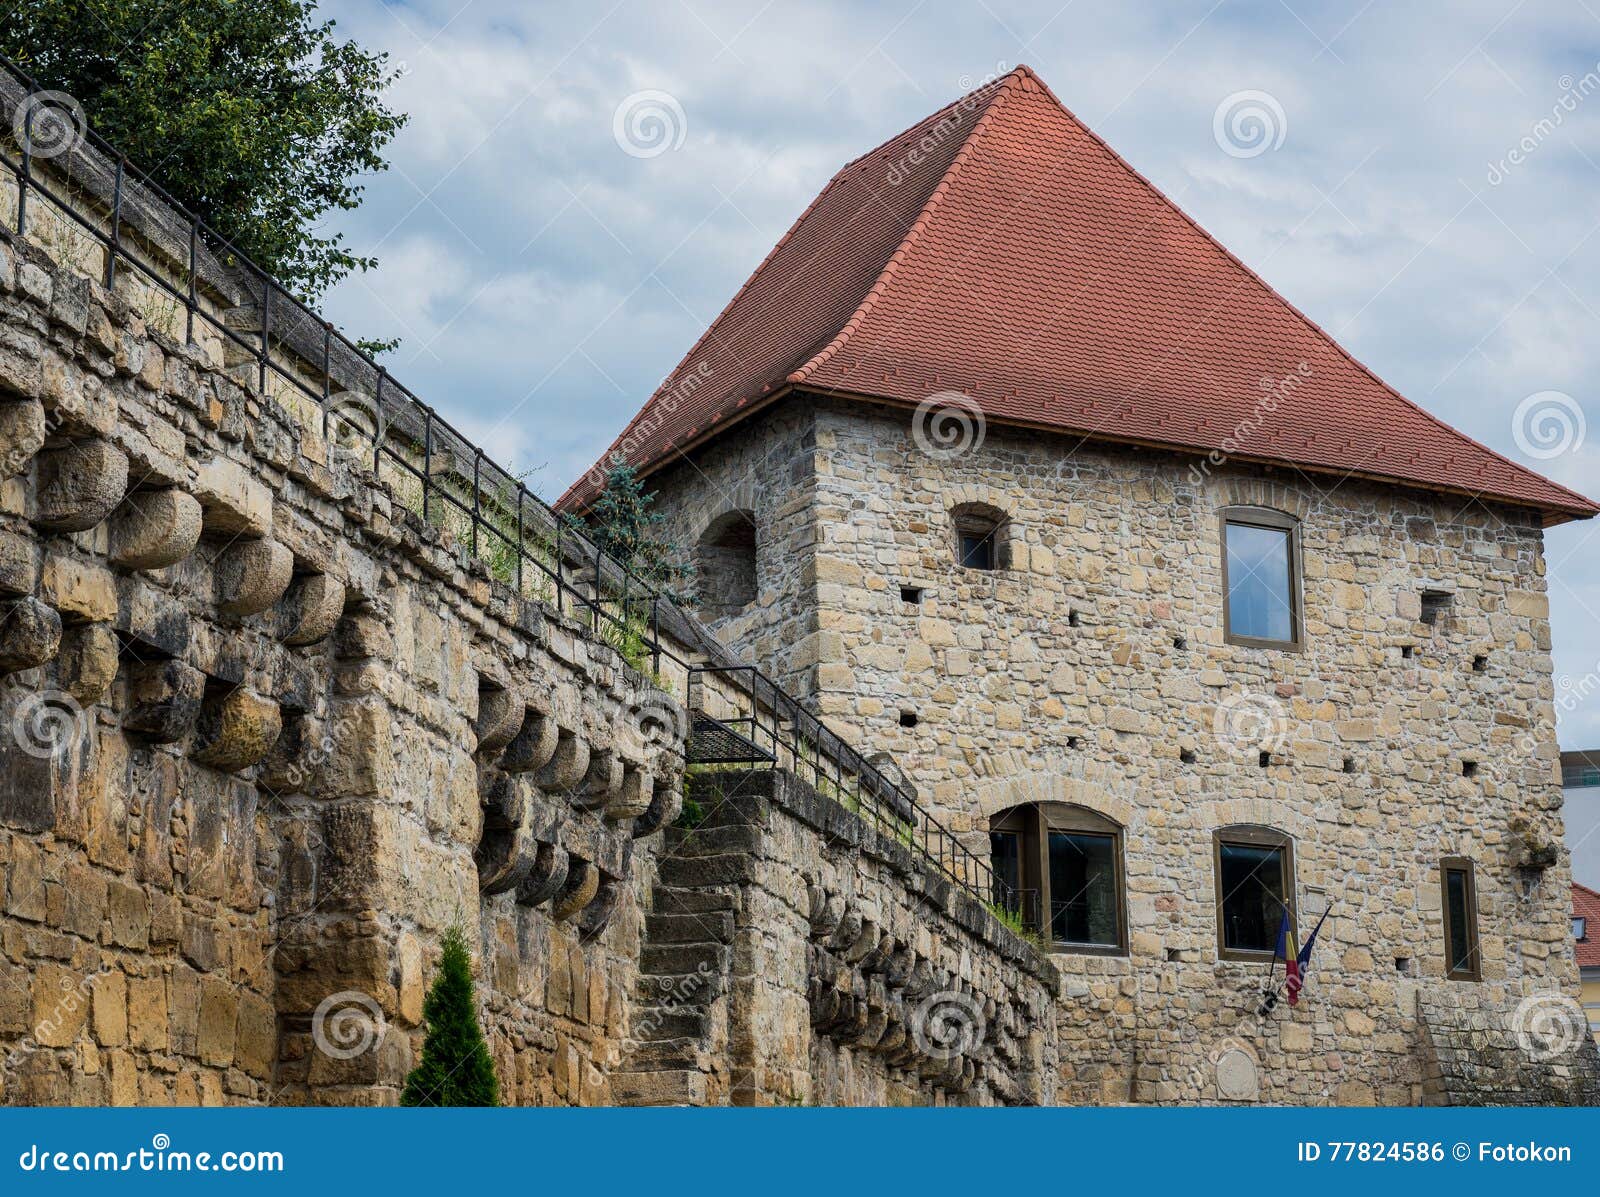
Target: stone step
705 872
674 959
659 1087
674 1053
688 928
691 901
663 1023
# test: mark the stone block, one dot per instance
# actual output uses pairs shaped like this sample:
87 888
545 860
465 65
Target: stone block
61 997
251 575
311 608
79 485
88 661
164 699
30 634
154 529
19 564
237 727
22 432
219 1016
82 590
110 1005
235 502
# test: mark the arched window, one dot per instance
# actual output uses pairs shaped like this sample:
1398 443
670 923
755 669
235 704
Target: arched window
1261 577
1060 868
725 565
1255 890
979 536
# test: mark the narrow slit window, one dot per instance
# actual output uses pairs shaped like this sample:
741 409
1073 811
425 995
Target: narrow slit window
1460 895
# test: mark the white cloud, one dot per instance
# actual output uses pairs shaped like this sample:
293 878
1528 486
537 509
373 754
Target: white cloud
545 281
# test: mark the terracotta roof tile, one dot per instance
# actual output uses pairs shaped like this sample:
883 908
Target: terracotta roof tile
1586 905
1000 249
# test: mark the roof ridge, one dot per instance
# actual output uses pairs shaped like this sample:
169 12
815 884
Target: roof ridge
1322 333
1595 894
1008 84
996 84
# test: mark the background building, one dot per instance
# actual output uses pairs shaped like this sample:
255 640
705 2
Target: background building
1580 783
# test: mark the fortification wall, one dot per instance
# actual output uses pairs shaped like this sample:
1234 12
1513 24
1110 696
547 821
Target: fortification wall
274 714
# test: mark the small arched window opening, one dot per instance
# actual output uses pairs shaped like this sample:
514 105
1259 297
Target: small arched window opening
1060 868
725 565
980 537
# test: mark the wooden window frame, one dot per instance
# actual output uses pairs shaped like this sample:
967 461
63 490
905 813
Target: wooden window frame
980 519
1254 836
1464 865
1033 821
1264 517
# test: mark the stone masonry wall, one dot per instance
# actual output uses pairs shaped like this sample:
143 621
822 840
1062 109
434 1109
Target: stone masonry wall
269 725
1093 671
815 961
267 734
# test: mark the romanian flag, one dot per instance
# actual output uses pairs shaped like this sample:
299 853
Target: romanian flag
1291 964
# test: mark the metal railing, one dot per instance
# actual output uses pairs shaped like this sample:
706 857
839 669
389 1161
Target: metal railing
275 338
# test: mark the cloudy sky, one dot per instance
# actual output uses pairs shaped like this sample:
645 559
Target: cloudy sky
1426 193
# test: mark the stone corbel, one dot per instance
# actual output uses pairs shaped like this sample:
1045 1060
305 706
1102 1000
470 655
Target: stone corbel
665 807
311 608
30 634
601 782
633 797
597 914
501 713
251 575
79 485
236 729
568 766
546 878
154 529
534 745
583 882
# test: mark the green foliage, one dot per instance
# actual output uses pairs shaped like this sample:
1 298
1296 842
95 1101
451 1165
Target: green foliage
1013 922
455 1069
250 112
623 523
691 816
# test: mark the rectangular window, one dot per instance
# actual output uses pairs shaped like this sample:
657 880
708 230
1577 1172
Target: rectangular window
977 550
1254 888
1005 857
1083 889
1580 929
1259 570
1460 921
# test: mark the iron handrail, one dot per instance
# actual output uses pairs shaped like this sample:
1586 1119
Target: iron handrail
872 789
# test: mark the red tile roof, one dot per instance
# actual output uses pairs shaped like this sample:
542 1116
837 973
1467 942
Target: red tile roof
1000 249
1586 906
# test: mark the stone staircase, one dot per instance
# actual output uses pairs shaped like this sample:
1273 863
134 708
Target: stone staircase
671 1055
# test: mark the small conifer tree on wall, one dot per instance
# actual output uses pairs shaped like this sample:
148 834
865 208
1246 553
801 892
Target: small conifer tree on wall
455 1069
624 522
